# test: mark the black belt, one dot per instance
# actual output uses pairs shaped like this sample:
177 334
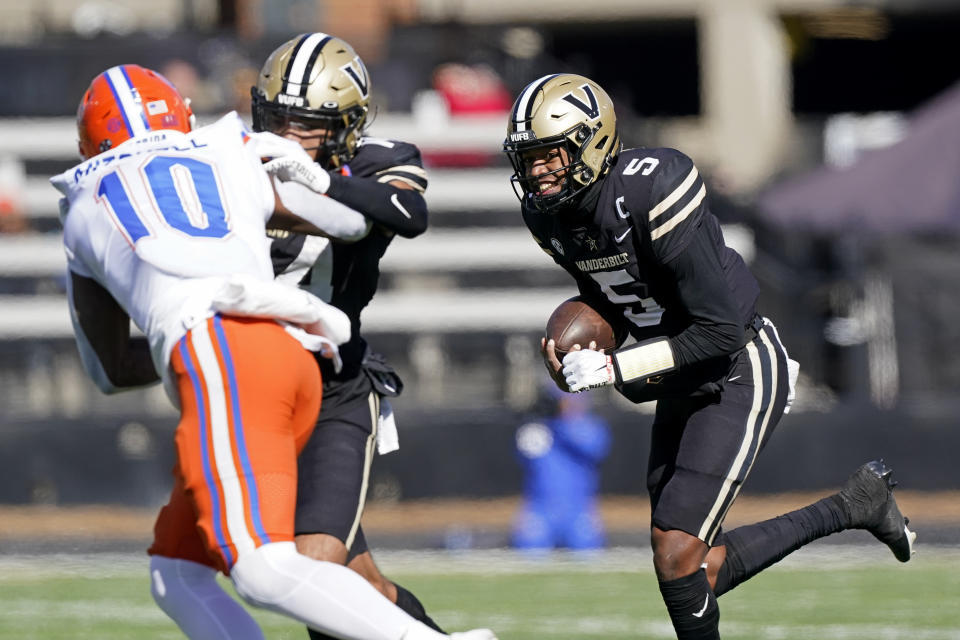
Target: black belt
752 329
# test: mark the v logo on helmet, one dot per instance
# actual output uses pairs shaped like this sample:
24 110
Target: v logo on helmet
358 75
592 110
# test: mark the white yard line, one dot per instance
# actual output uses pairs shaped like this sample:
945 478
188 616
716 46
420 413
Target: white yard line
479 562
86 610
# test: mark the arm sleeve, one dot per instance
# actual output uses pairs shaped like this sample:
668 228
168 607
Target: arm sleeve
716 326
402 211
682 246
334 218
115 361
88 355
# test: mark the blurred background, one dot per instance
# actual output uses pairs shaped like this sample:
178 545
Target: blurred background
829 135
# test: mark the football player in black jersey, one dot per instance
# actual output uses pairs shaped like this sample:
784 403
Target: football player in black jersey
315 89
634 229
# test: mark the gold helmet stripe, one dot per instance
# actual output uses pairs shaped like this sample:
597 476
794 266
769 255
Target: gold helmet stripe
296 78
523 109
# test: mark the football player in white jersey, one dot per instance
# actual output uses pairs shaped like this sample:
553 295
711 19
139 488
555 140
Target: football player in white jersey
165 226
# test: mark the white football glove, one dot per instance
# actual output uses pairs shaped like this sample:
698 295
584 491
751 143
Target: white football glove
587 369
302 170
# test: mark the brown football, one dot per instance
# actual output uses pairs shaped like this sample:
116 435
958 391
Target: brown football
575 322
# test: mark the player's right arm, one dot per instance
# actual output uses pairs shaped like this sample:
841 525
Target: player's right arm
115 360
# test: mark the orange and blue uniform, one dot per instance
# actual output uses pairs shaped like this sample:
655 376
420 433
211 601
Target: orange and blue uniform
162 221
249 399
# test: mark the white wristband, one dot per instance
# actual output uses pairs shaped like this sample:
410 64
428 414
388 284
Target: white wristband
644 360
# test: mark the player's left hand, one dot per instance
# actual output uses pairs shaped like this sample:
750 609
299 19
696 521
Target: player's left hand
587 369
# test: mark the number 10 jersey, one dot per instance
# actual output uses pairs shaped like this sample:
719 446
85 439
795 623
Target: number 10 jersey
160 221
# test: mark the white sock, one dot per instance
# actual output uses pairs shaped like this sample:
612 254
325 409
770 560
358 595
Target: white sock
188 592
324 596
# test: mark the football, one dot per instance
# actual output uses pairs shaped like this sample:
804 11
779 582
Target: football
576 322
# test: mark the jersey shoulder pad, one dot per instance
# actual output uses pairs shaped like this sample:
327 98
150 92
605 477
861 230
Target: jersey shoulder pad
386 160
665 193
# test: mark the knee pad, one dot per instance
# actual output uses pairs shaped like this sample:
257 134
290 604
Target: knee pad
325 596
264 576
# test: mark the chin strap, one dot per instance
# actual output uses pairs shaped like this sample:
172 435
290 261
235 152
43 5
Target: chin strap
193 118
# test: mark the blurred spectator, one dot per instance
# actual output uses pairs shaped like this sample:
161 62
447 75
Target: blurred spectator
561 453
471 90
460 90
241 80
12 219
186 78
12 185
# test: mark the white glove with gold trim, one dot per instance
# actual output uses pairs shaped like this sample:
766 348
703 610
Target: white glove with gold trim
587 369
302 170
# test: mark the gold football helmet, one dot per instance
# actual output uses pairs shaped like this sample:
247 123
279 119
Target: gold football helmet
315 82
566 112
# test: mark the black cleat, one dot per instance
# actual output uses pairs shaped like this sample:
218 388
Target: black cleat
868 499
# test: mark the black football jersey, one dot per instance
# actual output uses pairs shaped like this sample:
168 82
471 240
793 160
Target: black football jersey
346 274
642 244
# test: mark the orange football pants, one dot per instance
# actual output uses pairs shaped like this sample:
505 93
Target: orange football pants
249 396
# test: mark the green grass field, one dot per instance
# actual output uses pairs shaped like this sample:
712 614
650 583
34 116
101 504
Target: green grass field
824 592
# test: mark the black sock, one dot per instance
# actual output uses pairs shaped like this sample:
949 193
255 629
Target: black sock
406 601
692 607
409 603
754 547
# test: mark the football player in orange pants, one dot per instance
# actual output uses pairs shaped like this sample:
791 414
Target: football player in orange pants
165 225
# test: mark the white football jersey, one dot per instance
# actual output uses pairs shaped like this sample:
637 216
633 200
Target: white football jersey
161 220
